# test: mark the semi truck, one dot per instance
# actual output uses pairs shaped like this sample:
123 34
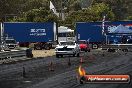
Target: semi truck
109 36
40 35
118 36
37 35
91 32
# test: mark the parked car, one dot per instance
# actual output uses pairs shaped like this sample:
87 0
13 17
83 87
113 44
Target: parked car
67 48
10 44
84 45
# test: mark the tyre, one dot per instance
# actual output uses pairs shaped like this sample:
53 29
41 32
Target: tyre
111 50
57 56
61 55
125 50
47 47
37 47
94 46
78 55
74 55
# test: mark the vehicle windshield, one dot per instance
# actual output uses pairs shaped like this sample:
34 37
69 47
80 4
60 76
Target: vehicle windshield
67 43
67 34
10 41
82 42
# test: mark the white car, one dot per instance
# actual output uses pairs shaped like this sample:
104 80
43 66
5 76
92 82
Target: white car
10 44
67 48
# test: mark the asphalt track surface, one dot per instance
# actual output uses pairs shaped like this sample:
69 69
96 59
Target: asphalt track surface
38 75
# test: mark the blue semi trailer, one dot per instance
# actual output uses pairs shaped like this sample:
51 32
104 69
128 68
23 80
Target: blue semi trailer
118 32
110 32
41 34
91 31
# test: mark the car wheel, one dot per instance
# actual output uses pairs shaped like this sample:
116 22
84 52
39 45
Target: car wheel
78 54
57 56
61 55
74 55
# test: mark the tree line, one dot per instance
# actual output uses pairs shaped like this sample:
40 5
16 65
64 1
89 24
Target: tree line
38 11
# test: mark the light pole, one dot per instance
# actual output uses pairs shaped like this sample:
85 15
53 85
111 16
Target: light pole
0 36
103 27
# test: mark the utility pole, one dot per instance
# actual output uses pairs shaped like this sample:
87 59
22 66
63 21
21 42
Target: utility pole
61 15
64 3
0 36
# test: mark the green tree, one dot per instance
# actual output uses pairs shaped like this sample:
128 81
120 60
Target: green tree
74 5
37 15
93 13
129 18
121 8
17 7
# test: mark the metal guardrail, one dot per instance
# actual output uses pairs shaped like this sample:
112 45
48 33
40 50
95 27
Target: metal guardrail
12 54
118 46
17 55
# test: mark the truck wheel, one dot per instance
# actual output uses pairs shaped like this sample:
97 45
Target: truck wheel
94 46
47 47
109 50
37 47
125 50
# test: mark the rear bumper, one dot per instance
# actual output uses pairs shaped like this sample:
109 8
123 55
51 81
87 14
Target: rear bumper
83 49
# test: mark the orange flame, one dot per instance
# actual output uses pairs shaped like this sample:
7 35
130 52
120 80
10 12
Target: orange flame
81 71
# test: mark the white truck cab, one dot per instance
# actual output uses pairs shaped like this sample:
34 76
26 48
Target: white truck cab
65 34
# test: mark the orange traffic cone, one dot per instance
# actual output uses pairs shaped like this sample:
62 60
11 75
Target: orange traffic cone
51 68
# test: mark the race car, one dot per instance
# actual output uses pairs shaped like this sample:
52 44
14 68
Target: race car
67 48
84 45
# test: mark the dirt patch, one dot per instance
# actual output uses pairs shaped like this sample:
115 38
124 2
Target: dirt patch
43 53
